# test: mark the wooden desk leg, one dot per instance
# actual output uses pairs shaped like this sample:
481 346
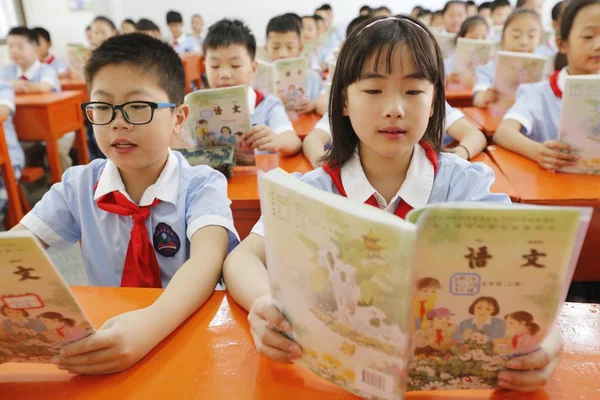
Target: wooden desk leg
54 162
81 144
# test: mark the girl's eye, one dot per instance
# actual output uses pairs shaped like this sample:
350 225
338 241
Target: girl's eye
214 66
588 37
235 66
374 91
414 92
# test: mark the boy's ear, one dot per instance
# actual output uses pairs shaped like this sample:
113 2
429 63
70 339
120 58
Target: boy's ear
180 116
254 66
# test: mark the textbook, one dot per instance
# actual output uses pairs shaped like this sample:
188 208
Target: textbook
446 41
381 305
263 80
77 56
38 313
471 54
580 122
514 69
217 117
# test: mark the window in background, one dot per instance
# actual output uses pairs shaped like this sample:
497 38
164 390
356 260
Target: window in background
11 15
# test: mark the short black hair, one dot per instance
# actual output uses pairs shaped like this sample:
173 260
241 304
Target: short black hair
27 33
355 23
423 12
485 5
438 13
379 42
470 3
174 17
382 8
102 18
284 24
365 8
227 32
151 56
318 18
496 4
145 25
325 7
42 34
556 10
294 17
469 23
451 3
128 21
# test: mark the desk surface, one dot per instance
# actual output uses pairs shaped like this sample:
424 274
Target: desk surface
44 99
212 356
482 117
537 185
501 184
305 124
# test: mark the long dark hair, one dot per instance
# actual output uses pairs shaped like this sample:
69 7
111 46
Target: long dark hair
379 37
566 24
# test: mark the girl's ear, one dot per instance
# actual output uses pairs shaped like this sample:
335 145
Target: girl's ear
345 111
561 45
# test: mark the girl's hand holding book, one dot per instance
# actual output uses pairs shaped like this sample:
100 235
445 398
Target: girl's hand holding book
554 155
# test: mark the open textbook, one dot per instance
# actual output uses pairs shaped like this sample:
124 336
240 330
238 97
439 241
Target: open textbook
471 54
38 313
580 122
512 70
381 306
446 41
218 117
77 56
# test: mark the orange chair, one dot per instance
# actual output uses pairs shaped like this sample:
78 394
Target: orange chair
29 175
15 211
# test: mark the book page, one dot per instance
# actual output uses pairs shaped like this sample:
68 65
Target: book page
38 313
470 55
341 274
290 84
263 80
491 290
218 117
447 43
77 56
580 122
513 70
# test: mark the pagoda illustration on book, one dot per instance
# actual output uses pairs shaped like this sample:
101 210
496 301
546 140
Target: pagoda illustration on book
381 306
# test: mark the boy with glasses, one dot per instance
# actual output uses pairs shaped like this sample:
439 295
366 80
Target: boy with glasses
144 216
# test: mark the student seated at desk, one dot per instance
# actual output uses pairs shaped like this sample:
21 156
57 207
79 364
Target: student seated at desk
284 40
460 138
501 9
454 13
387 124
17 157
144 217
522 33
230 49
473 28
530 127
181 42
544 49
45 44
28 75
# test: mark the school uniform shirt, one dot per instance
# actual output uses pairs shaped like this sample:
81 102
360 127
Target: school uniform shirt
59 64
450 64
456 180
452 115
537 109
484 77
190 199
314 85
37 73
17 157
185 44
270 112
545 50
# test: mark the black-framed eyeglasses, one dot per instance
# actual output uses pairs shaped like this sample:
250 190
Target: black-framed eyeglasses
134 112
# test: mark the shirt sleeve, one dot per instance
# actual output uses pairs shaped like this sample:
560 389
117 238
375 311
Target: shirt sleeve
452 115
484 78
50 75
277 119
315 85
523 110
207 204
52 218
7 96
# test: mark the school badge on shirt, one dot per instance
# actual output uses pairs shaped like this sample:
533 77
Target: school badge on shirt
166 242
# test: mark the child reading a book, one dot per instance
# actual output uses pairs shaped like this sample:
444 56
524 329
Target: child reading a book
522 34
230 48
473 28
461 137
284 40
501 9
387 124
454 13
144 217
530 127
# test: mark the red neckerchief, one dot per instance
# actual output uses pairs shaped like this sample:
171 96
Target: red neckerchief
259 97
515 339
50 59
335 173
554 85
60 330
141 267
439 337
422 309
23 78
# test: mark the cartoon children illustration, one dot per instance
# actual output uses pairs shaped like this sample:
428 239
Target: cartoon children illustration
60 328
18 321
226 137
291 98
522 331
442 328
483 325
201 130
302 96
424 302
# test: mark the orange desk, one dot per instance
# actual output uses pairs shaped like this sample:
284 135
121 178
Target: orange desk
501 184
47 117
15 211
459 98
212 356
191 65
536 185
242 189
305 124
482 118
74 84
